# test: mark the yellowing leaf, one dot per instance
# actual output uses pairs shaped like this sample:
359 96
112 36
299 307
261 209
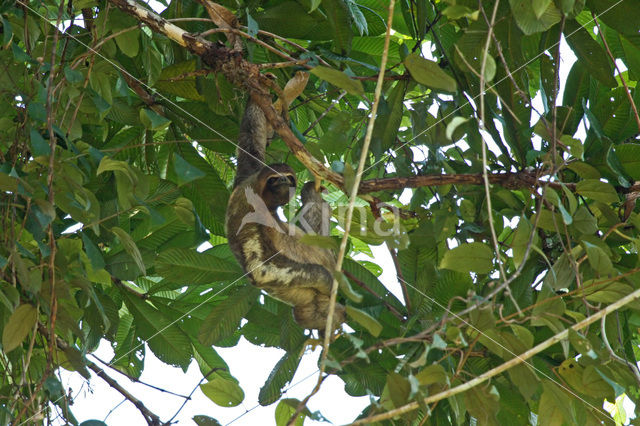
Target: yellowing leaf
364 319
225 393
20 323
339 79
429 73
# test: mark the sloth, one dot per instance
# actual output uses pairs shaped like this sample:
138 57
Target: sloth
268 249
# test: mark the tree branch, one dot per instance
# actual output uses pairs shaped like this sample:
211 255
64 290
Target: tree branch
247 76
518 359
151 418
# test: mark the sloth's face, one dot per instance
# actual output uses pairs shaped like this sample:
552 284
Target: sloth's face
279 190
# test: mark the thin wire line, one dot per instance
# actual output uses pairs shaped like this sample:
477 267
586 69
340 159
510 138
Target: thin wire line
172 323
468 102
151 89
504 347
121 69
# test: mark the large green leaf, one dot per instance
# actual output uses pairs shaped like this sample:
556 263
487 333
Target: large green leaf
429 73
164 337
281 374
590 54
18 326
191 267
225 316
225 393
534 16
471 257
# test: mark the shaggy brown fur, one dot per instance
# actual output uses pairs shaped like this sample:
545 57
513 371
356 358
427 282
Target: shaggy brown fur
269 249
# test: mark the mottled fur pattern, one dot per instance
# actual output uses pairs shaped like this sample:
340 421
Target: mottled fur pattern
269 249
316 211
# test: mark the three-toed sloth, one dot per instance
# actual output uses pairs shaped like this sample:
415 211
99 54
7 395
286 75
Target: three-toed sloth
270 250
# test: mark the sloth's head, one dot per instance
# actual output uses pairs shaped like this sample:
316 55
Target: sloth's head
276 184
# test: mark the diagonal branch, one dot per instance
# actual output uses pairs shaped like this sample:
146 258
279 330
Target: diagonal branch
239 72
518 359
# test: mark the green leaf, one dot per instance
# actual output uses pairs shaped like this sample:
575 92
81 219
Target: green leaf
555 406
434 373
281 374
584 222
598 259
339 79
345 287
202 420
531 19
356 15
18 326
224 392
399 389
590 54
364 319
225 316
629 156
597 190
595 291
388 121
521 240
130 247
429 74
73 76
483 403
152 120
470 257
40 146
340 19
164 337
184 86
337 136
621 15
188 266
284 411
185 172
128 42
539 7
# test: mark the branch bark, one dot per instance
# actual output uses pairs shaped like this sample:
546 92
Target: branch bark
247 76
239 72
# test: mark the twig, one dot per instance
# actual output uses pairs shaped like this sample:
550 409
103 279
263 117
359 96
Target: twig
485 166
252 38
136 380
151 418
347 227
325 112
368 289
630 365
624 83
188 398
564 334
274 65
396 264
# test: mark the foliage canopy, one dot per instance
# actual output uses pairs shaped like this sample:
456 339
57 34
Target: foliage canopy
116 161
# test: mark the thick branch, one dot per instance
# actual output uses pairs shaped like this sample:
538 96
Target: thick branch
239 72
518 359
247 75
509 180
